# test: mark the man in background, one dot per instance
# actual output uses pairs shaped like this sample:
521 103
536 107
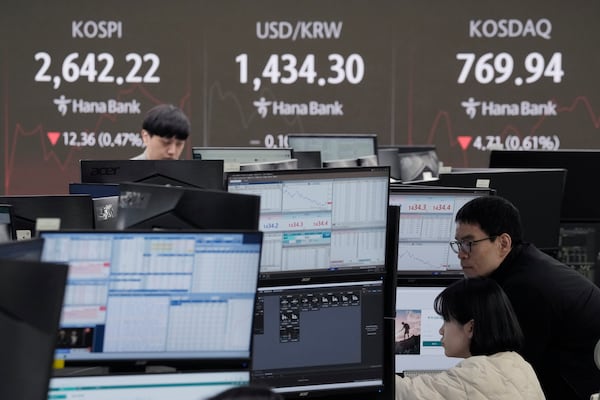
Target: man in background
165 130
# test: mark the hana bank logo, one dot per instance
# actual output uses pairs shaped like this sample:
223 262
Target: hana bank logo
262 107
470 107
61 104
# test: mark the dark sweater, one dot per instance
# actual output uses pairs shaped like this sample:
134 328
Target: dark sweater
559 312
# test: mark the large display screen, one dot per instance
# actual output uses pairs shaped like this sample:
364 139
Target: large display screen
485 75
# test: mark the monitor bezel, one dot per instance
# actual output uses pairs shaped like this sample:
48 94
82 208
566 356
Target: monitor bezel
81 381
209 173
119 364
401 188
579 164
260 151
334 136
542 230
314 275
346 390
421 281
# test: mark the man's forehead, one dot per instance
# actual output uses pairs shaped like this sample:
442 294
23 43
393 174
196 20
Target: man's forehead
467 229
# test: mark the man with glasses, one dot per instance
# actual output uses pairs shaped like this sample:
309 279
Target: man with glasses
164 132
544 292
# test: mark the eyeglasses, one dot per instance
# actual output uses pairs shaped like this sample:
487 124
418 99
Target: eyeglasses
465 245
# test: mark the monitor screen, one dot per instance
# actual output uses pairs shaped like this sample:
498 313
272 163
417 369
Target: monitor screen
581 164
540 213
156 295
234 156
418 340
427 226
143 206
203 174
335 146
325 221
314 339
7 230
31 295
73 211
180 386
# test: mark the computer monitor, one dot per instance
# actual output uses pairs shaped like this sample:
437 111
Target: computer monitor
537 193
418 341
579 246
389 157
155 386
52 211
203 174
180 299
106 212
415 163
341 163
105 200
26 249
577 203
31 295
292 163
320 340
7 230
234 156
335 146
307 159
95 190
427 226
319 222
143 206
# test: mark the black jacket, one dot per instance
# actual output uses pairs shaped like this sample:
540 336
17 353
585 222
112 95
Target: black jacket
559 312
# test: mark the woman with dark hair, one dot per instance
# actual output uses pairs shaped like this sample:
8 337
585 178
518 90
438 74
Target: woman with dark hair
247 393
480 326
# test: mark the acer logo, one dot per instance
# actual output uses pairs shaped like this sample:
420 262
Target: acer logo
104 171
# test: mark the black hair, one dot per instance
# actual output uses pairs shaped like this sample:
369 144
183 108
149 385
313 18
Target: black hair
168 121
249 392
482 300
495 215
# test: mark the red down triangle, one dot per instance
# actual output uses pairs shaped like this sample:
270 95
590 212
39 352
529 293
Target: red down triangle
53 137
464 141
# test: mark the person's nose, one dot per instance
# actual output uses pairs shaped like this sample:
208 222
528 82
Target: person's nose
462 255
171 148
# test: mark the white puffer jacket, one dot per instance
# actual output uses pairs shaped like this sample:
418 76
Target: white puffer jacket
502 376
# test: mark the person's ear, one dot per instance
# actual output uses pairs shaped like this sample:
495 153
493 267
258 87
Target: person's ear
468 328
505 243
145 136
